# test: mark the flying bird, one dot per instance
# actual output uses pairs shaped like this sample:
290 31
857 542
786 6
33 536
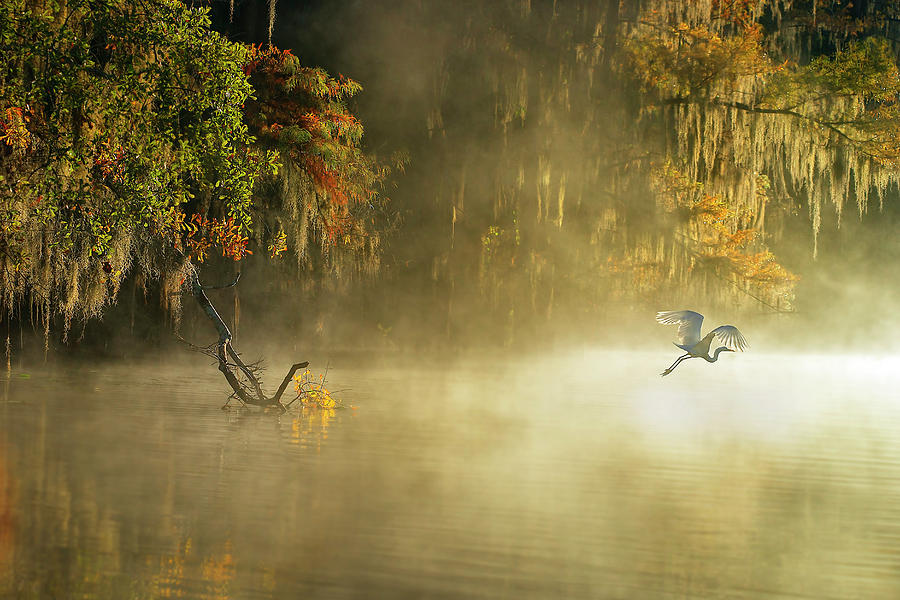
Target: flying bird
689 323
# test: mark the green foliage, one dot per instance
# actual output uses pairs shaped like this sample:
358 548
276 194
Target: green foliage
130 112
852 94
814 110
867 68
681 60
130 135
119 119
327 196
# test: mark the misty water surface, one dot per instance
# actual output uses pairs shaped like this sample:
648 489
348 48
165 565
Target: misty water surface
585 476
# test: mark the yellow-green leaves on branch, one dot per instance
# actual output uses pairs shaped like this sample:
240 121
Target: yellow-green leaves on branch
115 117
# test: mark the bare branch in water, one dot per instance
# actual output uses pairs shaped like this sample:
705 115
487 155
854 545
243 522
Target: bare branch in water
249 392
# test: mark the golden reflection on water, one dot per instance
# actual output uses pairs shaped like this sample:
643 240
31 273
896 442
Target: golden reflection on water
214 571
309 427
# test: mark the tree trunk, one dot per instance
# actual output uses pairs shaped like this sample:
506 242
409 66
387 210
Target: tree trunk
250 392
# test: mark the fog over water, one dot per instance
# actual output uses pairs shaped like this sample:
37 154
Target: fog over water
581 475
503 430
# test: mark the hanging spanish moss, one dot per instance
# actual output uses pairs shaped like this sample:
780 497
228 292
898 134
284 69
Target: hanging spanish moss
563 158
597 153
271 20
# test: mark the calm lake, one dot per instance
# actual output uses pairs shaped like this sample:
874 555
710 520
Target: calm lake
581 476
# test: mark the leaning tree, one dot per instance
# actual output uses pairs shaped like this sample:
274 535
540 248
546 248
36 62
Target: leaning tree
135 141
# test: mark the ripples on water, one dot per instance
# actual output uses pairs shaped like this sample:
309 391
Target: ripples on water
583 477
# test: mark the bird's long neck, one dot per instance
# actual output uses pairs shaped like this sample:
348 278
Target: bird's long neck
715 355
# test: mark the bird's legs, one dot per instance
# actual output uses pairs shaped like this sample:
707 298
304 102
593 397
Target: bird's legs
675 364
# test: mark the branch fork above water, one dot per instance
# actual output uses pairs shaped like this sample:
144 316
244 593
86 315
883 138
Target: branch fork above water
240 376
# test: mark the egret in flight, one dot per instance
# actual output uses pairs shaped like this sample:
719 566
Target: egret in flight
689 323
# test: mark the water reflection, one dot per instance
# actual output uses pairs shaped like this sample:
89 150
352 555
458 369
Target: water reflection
309 428
7 522
471 481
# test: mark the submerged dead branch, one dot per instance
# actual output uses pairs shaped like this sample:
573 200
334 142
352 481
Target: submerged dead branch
249 391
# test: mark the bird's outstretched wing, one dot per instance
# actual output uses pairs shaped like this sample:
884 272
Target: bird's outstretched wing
688 322
731 337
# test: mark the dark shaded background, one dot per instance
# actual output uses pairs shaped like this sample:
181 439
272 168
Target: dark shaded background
846 297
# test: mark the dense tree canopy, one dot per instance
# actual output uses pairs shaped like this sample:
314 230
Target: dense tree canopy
135 139
123 123
564 157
